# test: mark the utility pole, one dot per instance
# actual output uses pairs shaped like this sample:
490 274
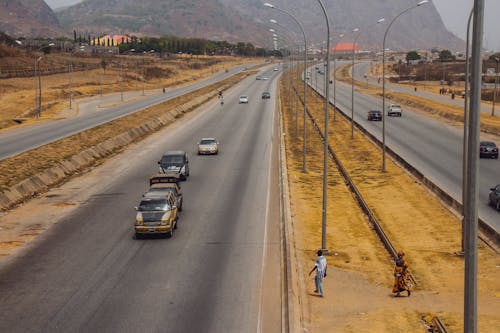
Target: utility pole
472 190
70 86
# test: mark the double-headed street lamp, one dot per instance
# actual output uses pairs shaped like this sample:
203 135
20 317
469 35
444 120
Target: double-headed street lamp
352 71
304 168
383 75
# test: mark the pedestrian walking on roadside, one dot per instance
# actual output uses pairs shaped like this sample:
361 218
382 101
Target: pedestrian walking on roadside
400 275
320 266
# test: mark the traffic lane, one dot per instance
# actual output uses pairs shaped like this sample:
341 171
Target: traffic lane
90 274
361 68
432 146
25 138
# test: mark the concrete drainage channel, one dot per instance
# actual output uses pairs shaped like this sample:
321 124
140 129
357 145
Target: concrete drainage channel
435 324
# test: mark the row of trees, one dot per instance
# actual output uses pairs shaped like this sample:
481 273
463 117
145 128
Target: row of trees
196 46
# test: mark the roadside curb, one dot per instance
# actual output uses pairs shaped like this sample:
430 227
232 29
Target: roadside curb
291 298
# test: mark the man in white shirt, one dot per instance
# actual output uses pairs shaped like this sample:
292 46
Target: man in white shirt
320 268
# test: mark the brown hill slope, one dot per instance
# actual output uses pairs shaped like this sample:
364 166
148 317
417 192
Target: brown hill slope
188 18
28 18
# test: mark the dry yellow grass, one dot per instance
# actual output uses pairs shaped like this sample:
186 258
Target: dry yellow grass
17 95
412 217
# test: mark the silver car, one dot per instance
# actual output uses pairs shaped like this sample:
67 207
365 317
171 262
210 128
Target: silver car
208 146
243 99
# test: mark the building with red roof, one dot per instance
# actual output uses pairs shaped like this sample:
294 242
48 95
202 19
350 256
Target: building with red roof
345 48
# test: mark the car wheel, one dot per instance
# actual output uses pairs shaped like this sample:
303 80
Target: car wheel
498 205
138 236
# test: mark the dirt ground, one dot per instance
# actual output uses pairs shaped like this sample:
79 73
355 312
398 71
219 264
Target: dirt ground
358 288
17 95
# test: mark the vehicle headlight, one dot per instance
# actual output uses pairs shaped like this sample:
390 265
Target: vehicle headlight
138 219
165 218
183 169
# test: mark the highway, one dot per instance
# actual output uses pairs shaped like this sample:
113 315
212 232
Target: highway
431 145
28 137
88 274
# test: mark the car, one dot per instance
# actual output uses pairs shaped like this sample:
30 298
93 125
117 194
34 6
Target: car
488 149
494 197
156 215
394 110
276 69
243 99
208 146
258 77
375 115
162 190
175 161
266 95
265 78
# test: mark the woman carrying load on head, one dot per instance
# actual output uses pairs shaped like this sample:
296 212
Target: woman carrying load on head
400 275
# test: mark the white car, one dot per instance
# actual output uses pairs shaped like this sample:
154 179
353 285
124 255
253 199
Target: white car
276 69
208 146
243 99
395 110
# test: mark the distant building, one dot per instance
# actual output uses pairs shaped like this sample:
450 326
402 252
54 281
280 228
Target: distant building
111 40
346 48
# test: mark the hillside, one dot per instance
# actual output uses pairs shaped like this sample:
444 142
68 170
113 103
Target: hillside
188 18
28 18
248 20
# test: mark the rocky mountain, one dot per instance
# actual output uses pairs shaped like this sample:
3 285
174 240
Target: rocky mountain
28 18
184 18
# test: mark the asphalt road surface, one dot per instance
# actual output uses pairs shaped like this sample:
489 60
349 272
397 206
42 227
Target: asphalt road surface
25 138
429 144
89 274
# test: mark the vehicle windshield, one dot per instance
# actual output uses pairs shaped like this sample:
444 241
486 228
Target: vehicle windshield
488 144
396 106
154 205
208 142
176 160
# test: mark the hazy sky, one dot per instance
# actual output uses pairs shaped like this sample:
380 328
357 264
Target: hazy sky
454 13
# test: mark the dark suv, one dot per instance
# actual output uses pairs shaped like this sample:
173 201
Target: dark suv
175 161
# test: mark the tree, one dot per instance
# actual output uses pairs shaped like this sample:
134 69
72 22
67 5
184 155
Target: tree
446 55
411 56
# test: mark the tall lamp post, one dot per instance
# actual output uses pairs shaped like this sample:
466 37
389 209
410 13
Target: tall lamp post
335 78
304 152
495 90
383 76
352 72
472 190
38 78
325 143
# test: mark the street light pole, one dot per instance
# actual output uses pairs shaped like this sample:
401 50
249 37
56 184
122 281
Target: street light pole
335 79
304 152
466 126
352 72
495 90
383 76
325 143
472 193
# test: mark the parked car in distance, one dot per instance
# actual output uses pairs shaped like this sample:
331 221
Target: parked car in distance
266 95
208 146
394 110
156 215
488 149
374 115
494 197
175 161
243 99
